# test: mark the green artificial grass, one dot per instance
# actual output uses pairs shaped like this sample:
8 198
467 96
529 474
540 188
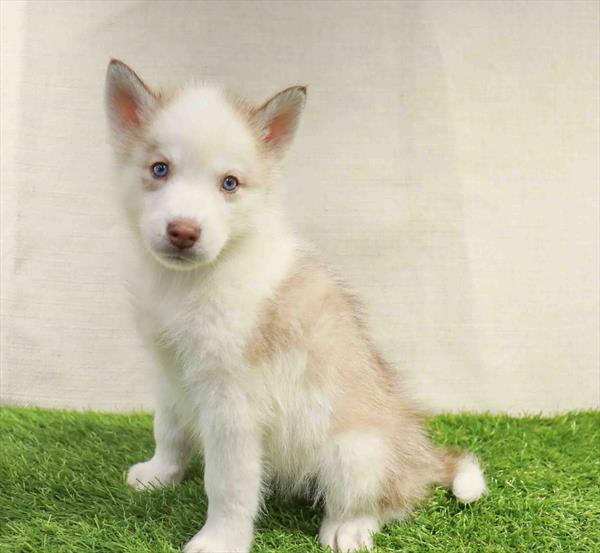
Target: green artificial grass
62 490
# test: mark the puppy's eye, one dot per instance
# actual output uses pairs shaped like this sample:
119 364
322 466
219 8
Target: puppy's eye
229 183
160 170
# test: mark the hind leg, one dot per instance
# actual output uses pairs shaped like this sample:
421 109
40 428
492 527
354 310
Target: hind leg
352 471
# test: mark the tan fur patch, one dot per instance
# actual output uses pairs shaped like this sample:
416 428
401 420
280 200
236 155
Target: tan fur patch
312 312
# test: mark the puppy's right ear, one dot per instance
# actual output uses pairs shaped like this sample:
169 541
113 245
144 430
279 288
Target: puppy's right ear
128 101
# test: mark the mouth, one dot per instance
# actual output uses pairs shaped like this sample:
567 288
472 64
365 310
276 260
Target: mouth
180 256
185 259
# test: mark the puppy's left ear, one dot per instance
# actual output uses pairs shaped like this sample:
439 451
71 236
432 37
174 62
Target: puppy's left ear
277 119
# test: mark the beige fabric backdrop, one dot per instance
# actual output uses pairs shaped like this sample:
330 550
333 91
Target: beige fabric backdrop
447 165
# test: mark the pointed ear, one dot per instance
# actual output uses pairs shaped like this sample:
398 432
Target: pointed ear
128 101
277 119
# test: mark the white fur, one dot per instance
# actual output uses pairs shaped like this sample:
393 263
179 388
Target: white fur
469 484
198 321
354 466
348 535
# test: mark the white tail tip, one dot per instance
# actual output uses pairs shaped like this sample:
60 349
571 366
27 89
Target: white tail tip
468 484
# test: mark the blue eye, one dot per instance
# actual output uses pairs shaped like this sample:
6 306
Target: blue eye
160 170
230 183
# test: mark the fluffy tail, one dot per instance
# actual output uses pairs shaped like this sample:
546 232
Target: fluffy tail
464 476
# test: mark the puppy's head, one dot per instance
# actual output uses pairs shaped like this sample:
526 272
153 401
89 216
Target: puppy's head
197 164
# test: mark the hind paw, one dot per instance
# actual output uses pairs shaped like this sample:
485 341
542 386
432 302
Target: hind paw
346 536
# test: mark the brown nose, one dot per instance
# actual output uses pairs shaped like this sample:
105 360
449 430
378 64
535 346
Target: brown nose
183 233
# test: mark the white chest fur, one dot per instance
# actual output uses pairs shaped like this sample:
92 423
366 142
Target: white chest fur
202 321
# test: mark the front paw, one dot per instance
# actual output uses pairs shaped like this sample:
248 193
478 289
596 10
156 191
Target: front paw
228 538
153 474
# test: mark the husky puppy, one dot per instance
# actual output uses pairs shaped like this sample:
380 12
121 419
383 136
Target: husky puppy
265 364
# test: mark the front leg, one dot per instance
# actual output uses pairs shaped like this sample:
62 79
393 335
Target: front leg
232 478
172 451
